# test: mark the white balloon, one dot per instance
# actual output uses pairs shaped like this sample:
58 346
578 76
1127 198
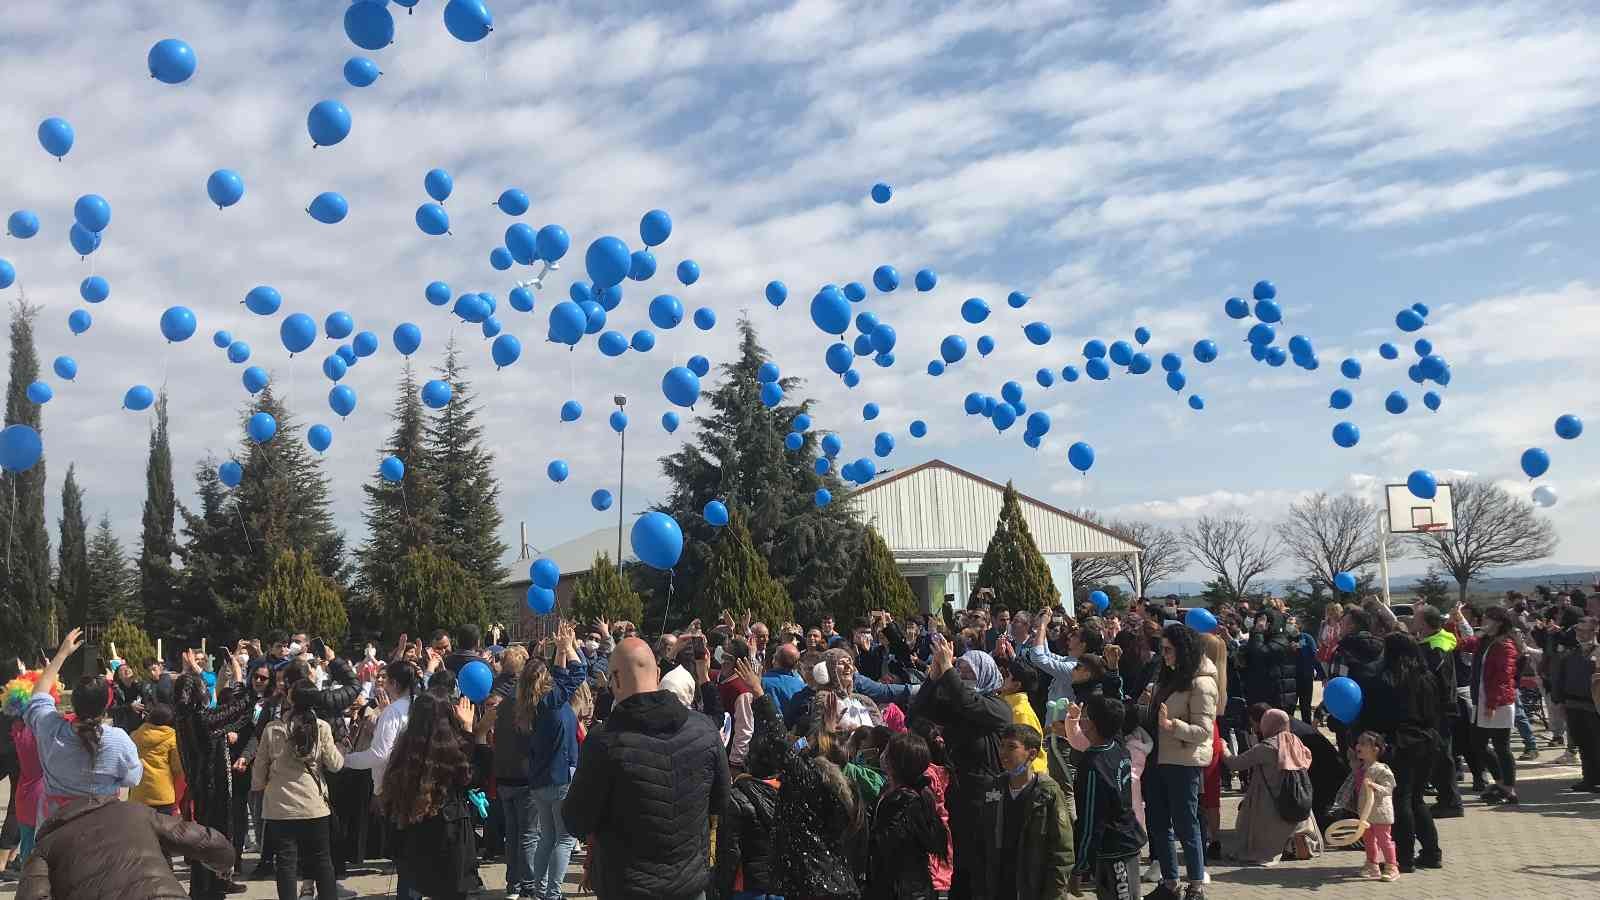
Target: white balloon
1544 495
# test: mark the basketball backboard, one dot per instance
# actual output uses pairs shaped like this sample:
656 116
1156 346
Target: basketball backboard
1410 514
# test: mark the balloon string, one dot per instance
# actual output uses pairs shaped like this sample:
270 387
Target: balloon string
11 520
672 575
243 528
404 503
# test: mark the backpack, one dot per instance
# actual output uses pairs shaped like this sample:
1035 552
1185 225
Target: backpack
1293 798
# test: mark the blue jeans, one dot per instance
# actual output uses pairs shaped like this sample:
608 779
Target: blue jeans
1172 801
522 837
1525 728
555 846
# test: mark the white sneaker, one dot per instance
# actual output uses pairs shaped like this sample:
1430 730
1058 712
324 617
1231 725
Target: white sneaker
308 888
1568 758
1152 873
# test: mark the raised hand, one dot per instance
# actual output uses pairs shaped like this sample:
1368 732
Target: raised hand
746 671
1112 656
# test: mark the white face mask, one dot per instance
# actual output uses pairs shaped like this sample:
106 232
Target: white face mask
591 646
372 653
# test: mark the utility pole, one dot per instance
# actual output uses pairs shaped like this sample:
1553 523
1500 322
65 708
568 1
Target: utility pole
622 464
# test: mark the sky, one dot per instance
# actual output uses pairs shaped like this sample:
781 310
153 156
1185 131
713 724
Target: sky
1123 164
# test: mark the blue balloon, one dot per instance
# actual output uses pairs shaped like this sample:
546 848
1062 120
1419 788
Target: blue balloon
438 184
1081 456
1415 374
1340 399
83 240
65 367
56 136
831 445
705 318
40 393
1569 427
865 322
1345 582
263 300
985 345
468 21
1395 402
768 371
1432 401
869 411
822 465
407 338
716 513
475 679
771 394
506 350
369 25
883 444
1139 364
600 500
776 293
642 265
177 324
230 473
802 422
822 497
1097 369
20 447
699 365
1200 619
1205 351
1431 366
1535 462
329 208
1039 422
1120 352
225 187
1264 290
881 193
1261 334
1268 311
1094 348
334 367
666 311
1343 698
1420 309
552 242
254 378
567 323
521 299
1100 601
1044 377
346 353
974 310
366 344
540 601
607 261
8 274
338 325
669 422
298 332
261 427
594 317
1346 434
171 61
927 280
1236 308
862 345
1300 345
688 272
514 202
643 341
1276 356
1388 351
655 227
935 367
838 357
1422 484
342 400
1011 392
681 386
500 258
1176 381
328 123
221 339
79 320
1038 333
953 348
392 469
657 540
1197 402
436 394
22 224
320 437
360 71
613 343
1408 320
830 311
885 279
609 298
571 411
545 573
1350 368
855 292
92 212
432 219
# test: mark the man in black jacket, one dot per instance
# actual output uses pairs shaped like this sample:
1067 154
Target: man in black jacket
1269 662
647 783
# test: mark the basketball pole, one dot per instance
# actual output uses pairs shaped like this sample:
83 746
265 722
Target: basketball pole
1383 552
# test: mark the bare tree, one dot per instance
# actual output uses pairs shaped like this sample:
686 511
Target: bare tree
1230 548
1089 570
1492 530
1163 555
1328 535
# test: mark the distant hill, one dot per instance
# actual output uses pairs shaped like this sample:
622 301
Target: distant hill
1558 577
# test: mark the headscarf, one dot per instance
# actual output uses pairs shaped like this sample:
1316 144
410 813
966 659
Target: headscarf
830 663
1293 755
986 675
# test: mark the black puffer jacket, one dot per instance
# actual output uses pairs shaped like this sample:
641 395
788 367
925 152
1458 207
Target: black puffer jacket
744 838
816 818
647 783
1268 662
97 847
904 832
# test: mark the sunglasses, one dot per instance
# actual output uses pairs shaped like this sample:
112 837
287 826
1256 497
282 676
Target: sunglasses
261 677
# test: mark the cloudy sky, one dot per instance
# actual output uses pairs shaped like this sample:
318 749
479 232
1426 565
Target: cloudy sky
1123 167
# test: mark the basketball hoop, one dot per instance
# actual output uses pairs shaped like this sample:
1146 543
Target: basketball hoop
1430 527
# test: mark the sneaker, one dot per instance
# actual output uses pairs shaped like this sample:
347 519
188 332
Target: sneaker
1529 755
1152 873
513 895
308 889
1490 793
1568 758
1194 891
1389 874
1441 811
1163 891
1370 870
1557 740
234 887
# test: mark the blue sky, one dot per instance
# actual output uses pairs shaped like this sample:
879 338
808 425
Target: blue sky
1123 164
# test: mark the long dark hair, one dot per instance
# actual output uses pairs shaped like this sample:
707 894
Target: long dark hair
429 763
1507 627
907 759
302 717
90 698
1188 653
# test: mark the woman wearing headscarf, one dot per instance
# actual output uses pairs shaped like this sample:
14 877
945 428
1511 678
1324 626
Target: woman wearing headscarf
1261 836
855 710
964 701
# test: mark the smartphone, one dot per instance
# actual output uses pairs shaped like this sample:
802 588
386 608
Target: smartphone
318 648
366 691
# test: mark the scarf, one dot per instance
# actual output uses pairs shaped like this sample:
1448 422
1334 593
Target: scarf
986 675
1293 754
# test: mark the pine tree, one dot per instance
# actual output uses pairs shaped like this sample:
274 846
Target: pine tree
218 556
400 517
432 592
111 577
738 456
1433 590
72 560
297 596
28 602
604 592
876 584
736 579
158 579
1012 565
130 642
462 470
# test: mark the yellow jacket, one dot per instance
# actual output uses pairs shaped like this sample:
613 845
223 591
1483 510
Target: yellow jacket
1022 714
158 751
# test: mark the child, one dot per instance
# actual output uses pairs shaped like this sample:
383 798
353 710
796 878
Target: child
1017 684
1026 823
906 828
1109 836
157 743
1375 782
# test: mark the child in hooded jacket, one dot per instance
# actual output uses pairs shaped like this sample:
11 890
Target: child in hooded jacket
157 743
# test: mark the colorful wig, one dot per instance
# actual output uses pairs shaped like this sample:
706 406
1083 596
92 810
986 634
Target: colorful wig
20 689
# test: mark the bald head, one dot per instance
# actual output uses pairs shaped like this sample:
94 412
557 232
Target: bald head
633 670
787 657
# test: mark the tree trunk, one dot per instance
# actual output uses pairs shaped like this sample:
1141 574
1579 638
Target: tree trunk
1461 590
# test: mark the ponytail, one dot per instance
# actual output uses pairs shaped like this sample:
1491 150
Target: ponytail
303 727
90 698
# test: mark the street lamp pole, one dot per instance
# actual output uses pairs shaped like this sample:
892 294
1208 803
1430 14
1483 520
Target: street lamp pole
622 461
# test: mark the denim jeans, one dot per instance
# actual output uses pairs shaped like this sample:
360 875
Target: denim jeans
555 846
1525 729
521 815
1172 800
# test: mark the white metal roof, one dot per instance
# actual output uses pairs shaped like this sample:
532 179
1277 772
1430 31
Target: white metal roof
938 509
577 555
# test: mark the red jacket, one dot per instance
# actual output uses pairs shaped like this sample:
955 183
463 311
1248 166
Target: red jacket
1499 671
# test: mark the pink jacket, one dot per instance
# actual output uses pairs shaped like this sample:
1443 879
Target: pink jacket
30 784
941 869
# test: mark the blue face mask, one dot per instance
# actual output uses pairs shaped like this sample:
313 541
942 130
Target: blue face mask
1021 770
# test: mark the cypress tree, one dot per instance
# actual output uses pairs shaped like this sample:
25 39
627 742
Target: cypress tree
111 577
400 517
158 579
432 592
738 456
28 601
298 596
462 471
604 592
72 559
736 579
1012 565
875 584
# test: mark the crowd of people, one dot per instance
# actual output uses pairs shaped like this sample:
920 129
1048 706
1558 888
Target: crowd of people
981 753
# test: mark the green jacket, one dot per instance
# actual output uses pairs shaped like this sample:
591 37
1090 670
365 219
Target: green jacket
1043 861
